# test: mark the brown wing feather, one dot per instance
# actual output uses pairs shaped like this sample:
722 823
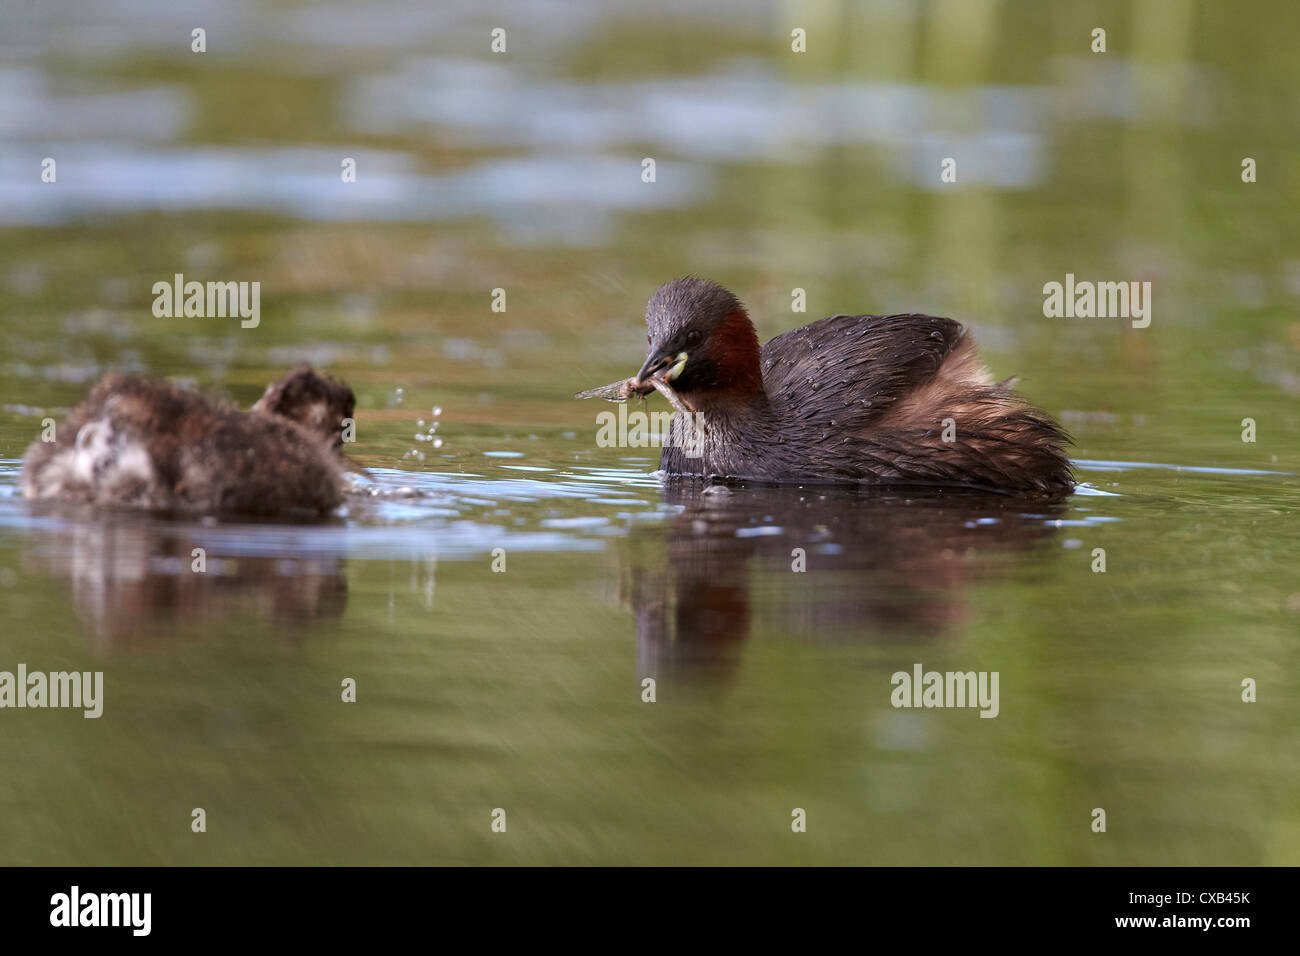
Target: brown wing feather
871 361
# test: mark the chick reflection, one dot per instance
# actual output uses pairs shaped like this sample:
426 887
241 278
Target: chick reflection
143 584
879 565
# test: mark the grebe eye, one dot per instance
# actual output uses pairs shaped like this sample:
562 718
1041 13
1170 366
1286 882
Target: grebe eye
693 337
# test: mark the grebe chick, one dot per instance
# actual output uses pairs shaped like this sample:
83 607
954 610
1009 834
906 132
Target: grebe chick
901 399
143 443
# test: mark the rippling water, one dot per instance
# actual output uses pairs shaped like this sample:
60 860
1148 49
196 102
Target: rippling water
522 688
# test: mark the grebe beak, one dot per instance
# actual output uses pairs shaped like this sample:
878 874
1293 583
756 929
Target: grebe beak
662 360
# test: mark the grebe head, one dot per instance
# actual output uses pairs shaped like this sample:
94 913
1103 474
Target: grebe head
317 403
701 341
